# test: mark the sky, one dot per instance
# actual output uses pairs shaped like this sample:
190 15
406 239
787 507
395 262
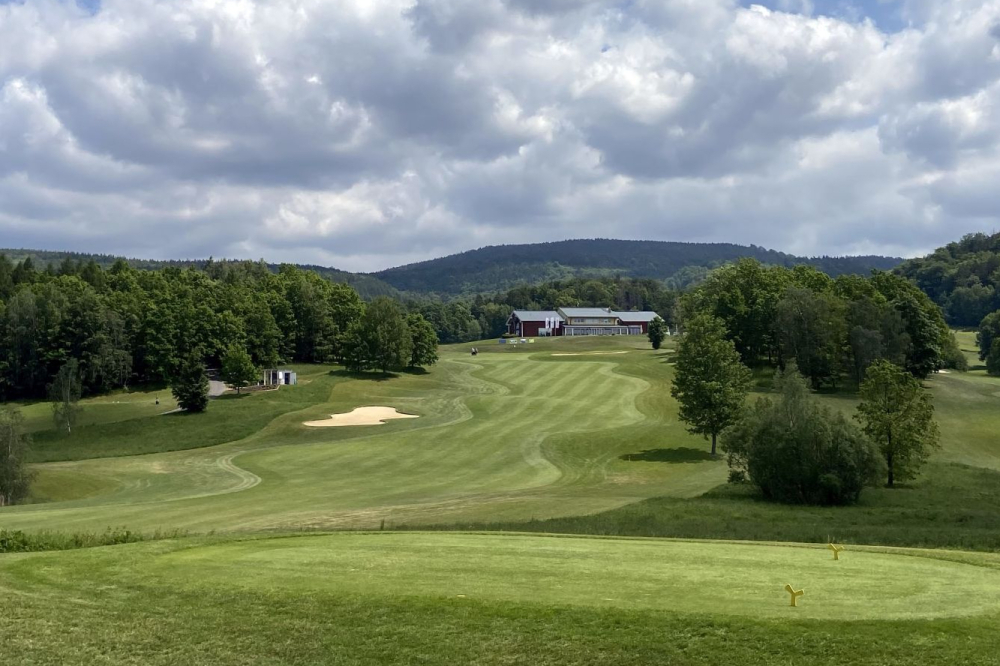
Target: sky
363 134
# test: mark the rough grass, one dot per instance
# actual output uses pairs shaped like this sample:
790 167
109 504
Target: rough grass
950 506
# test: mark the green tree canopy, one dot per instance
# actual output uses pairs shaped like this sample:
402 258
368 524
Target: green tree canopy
898 416
380 339
989 330
238 369
15 477
190 384
810 327
424 341
797 451
657 332
710 382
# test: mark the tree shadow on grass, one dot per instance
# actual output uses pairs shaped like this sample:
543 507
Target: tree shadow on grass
375 376
682 454
233 396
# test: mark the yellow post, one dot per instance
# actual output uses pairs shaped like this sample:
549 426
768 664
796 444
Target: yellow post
836 550
795 595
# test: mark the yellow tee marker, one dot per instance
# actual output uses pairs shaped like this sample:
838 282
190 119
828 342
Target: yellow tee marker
795 595
836 550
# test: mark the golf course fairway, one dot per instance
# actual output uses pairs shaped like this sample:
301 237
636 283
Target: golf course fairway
630 574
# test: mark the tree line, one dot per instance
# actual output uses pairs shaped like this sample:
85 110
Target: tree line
124 325
881 331
962 277
485 316
833 328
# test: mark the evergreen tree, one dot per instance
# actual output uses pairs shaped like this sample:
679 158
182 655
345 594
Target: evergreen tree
190 384
657 332
15 478
898 416
710 382
238 369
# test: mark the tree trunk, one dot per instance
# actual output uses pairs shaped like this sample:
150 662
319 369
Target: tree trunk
713 443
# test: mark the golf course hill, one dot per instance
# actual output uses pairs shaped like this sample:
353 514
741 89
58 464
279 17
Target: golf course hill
545 506
495 268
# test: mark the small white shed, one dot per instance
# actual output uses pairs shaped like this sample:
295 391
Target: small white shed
279 377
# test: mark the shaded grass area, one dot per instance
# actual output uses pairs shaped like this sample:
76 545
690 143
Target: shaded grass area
16 541
122 606
951 506
228 418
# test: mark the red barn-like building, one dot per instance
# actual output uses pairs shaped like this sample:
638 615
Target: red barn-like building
578 321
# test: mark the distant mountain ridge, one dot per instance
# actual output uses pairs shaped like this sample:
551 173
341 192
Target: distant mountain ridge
500 267
366 285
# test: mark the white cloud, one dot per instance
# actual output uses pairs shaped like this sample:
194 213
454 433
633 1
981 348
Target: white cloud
371 132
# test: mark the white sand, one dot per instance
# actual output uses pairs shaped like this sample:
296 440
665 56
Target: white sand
361 416
598 353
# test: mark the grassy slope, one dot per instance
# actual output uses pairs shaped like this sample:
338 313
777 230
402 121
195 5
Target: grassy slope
954 504
514 433
499 440
448 598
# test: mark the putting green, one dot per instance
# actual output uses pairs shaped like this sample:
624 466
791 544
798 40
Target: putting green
681 576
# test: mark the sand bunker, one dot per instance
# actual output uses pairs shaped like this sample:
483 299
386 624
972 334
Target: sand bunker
598 353
361 416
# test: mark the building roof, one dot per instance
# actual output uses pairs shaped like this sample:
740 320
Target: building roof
537 315
585 312
636 316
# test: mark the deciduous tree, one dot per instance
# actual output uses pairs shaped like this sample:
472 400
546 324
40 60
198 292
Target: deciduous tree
15 478
710 382
898 416
65 393
380 339
424 341
797 451
657 332
238 369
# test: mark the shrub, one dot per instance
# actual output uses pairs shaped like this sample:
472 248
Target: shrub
796 451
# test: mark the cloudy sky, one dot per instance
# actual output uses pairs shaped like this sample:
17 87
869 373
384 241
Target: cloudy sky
367 133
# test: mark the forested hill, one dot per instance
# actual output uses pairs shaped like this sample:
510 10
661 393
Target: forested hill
503 266
366 285
962 277
498 268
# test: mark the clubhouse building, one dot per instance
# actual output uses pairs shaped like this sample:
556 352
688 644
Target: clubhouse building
578 321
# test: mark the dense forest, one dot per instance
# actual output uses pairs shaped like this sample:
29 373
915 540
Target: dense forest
833 328
123 325
495 269
367 286
501 267
962 277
